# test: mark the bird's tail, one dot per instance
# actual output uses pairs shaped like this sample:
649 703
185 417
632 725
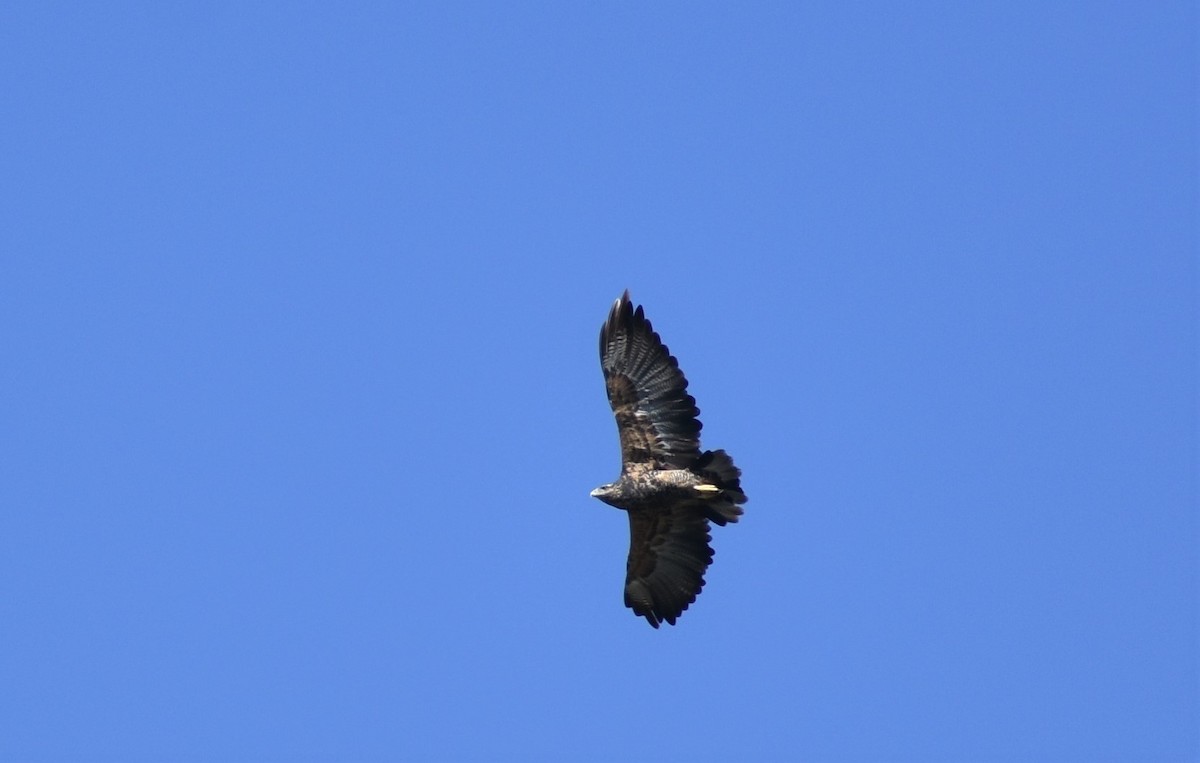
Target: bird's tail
716 467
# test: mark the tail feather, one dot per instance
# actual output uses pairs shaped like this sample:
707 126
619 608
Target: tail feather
717 468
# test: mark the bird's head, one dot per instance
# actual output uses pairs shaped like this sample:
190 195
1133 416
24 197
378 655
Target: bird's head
604 493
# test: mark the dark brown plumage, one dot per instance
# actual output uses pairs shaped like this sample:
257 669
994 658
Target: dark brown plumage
669 488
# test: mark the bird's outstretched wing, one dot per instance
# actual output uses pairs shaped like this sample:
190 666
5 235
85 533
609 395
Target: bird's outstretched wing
668 554
656 417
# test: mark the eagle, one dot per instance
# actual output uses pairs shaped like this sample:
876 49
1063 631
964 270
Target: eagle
670 489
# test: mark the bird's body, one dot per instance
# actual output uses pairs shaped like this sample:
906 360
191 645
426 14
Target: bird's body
670 489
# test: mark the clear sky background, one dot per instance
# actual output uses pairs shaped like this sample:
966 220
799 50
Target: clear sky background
301 405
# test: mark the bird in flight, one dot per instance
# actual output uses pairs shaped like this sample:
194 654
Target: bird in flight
670 489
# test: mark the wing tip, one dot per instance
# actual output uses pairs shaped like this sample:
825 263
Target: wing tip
624 315
620 315
619 304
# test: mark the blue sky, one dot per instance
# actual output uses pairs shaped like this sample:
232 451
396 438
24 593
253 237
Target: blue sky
301 403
